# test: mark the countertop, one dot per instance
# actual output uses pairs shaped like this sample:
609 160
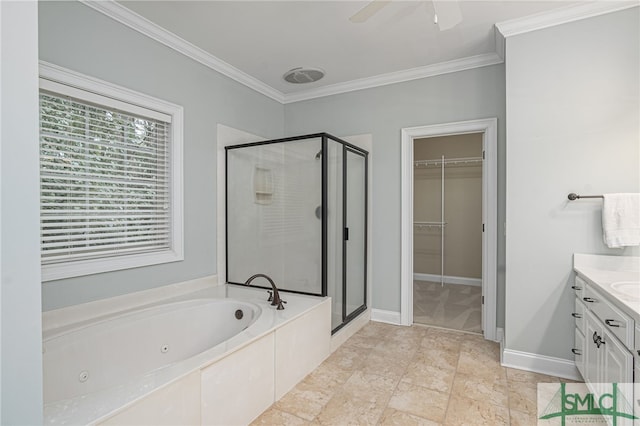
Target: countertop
602 271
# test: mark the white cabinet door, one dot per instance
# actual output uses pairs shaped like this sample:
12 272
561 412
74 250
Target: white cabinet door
593 354
618 369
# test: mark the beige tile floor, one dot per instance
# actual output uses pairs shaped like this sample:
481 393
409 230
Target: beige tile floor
392 375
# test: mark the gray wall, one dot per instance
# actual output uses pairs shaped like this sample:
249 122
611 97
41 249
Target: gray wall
573 126
75 36
383 112
21 329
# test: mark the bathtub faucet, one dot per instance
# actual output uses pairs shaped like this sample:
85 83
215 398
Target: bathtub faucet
275 298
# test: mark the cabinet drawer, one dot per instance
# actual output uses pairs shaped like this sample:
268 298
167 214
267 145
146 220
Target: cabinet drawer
579 287
616 321
578 314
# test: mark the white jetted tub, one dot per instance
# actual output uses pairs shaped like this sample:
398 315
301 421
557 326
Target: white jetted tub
141 362
111 352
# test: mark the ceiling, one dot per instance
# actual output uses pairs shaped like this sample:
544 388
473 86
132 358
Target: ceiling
264 39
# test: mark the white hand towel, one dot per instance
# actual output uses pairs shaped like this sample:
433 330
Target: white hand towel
621 220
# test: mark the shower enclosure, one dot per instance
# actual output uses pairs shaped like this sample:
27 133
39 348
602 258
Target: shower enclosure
296 210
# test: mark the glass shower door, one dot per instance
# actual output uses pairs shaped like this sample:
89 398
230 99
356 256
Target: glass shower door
355 243
335 230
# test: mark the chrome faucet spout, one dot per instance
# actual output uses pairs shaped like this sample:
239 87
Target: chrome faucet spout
275 301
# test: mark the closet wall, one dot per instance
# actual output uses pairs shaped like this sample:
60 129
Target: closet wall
462 210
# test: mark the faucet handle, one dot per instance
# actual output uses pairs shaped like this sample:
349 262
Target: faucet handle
280 306
270 296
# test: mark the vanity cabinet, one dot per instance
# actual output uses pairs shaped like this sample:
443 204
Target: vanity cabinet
604 341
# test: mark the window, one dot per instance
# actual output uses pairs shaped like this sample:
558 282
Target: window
110 177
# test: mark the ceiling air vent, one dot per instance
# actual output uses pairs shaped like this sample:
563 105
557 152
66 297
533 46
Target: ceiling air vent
303 75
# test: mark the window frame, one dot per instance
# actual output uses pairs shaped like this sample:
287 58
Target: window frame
63 81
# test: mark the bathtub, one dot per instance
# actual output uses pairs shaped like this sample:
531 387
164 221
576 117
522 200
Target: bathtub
97 369
117 350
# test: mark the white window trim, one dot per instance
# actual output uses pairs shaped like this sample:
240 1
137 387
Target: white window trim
56 74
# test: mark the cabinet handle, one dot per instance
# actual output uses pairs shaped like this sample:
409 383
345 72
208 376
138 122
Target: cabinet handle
575 287
576 315
597 339
610 323
576 351
589 299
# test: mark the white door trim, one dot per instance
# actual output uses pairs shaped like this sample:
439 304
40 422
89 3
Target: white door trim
489 129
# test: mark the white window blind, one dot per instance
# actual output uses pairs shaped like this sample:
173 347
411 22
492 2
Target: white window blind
106 182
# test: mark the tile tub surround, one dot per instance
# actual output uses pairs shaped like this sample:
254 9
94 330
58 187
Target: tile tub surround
300 332
418 375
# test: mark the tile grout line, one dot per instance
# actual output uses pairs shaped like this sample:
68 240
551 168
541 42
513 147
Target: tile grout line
455 374
506 376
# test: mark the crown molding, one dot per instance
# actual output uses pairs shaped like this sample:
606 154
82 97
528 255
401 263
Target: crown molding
126 16
502 30
396 77
561 16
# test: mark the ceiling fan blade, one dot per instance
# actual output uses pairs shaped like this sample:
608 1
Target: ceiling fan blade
448 13
368 11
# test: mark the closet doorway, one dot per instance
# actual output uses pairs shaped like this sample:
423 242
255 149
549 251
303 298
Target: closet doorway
488 129
447 231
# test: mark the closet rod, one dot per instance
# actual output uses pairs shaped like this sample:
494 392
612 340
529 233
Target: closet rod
447 161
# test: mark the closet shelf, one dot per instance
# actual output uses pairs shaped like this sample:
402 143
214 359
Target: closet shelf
448 161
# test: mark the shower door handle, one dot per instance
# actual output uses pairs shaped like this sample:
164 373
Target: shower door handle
346 234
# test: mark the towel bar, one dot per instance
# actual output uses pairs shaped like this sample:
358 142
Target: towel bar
573 196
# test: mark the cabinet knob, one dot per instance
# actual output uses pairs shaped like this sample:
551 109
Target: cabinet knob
610 323
589 299
576 315
576 351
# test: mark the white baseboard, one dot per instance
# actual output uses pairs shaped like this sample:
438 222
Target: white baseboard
448 279
390 317
536 363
